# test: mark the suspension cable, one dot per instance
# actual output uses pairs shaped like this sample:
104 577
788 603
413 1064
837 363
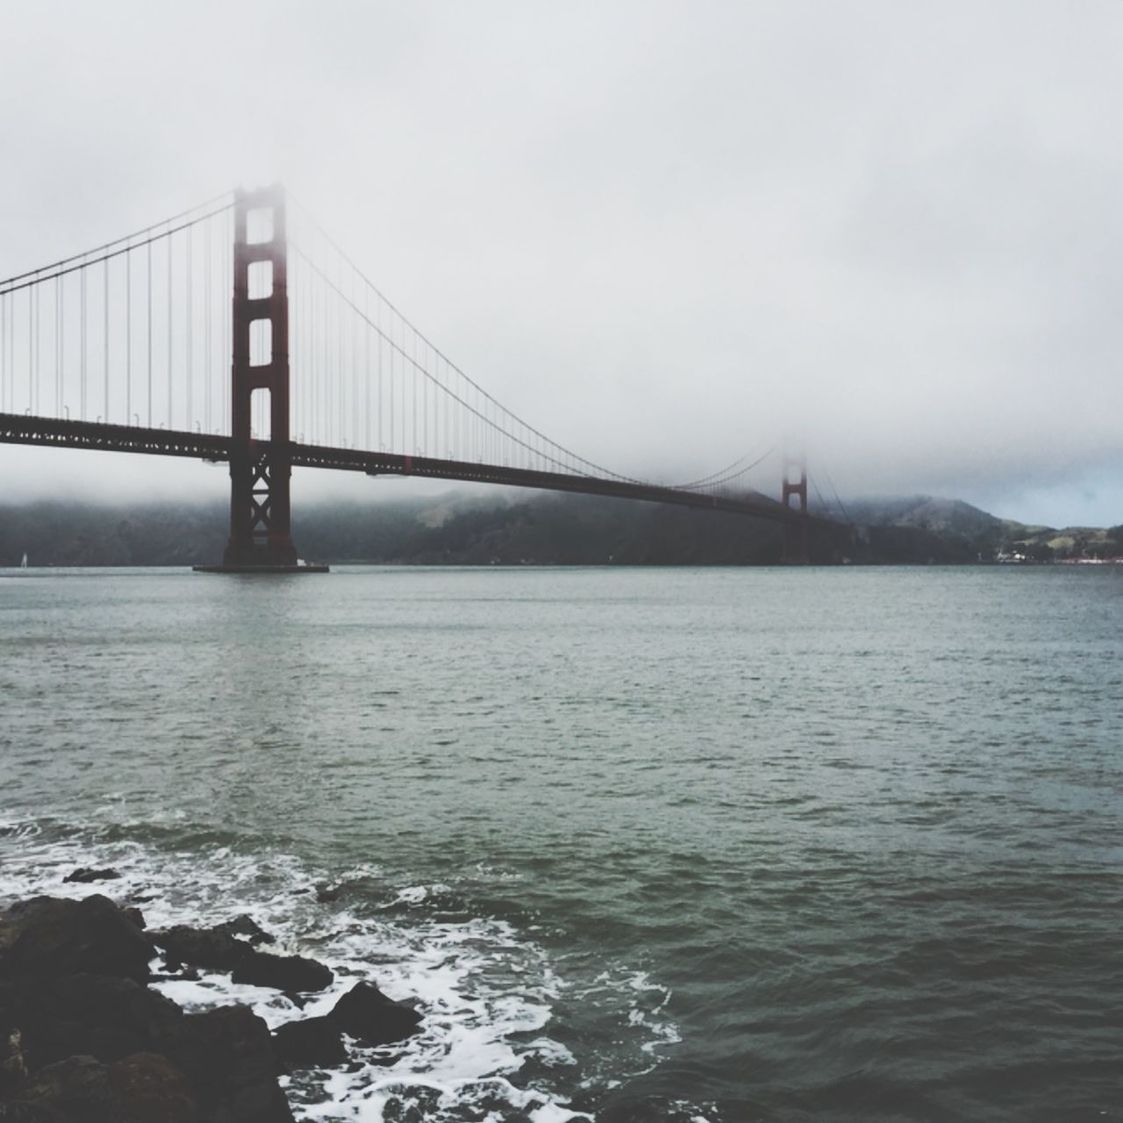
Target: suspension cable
127 238
86 260
420 369
438 353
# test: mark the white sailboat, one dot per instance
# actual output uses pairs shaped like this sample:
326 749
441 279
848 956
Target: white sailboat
23 562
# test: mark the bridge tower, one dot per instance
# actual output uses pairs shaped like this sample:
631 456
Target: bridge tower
260 469
796 546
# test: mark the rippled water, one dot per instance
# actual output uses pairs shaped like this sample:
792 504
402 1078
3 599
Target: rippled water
686 845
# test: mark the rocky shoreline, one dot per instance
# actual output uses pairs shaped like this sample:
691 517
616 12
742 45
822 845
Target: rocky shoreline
85 1038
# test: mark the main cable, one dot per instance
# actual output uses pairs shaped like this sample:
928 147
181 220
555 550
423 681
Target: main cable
127 238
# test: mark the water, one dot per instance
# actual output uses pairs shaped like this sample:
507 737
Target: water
689 845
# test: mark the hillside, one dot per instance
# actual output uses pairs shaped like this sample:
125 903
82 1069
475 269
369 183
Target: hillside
537 530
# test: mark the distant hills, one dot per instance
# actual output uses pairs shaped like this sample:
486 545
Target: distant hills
542 529
954 531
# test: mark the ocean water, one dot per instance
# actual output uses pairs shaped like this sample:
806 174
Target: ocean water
701 846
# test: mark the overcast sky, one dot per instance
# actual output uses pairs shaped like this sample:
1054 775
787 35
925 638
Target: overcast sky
665 233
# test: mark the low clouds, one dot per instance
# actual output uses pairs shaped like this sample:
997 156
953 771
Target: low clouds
663 232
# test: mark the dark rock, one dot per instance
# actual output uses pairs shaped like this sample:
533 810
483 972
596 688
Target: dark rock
326 894
150 1089
366 1013
244 925
13 1067
48 937
208 948
97 1015
135 916
284 972
228 1058
310 1043
78 1089
17 1112
85 875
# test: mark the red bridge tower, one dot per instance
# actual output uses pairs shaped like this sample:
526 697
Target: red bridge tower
796 547
260 468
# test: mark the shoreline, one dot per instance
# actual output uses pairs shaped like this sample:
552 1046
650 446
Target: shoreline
87 1035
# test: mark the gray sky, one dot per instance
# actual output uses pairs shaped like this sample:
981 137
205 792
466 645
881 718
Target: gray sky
665 233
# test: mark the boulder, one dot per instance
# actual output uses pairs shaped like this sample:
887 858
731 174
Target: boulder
310 1043
15 1111
244 925
368 1014
133 914
231 1067
209 948
77 1090
283 972
101 1016
84 875
13 1065
150 1089
46 937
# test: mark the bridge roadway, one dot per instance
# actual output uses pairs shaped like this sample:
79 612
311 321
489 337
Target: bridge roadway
53 433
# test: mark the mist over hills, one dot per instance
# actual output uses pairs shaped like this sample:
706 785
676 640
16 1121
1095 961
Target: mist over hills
544 529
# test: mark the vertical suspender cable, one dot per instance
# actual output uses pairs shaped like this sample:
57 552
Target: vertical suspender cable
30 367
341 394
171 334
37 288
391 438
82 343
367 376
105 336
188 329
148 331
207 362
323 380
354 370
59 290
128 338
378 345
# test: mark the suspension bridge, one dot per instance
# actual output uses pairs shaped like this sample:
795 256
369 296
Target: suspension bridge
241 332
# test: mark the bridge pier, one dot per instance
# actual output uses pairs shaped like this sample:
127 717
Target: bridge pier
260 508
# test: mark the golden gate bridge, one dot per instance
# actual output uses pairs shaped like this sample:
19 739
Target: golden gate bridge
239 331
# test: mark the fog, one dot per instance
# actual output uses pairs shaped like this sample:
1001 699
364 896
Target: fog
667 234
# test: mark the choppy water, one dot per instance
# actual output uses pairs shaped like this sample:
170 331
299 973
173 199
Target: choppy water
685 845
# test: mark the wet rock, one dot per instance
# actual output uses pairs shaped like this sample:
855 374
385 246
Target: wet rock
229 1060
83 875
244 925
13 1067
18 1112
150 1089
368 1014
101 1016
77 1089
283 972
209 948
48 937
310 1043
326 894
135 916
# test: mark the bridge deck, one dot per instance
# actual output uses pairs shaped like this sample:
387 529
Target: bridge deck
53 433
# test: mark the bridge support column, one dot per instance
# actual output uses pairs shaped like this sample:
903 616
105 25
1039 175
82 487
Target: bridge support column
796 545
260 468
